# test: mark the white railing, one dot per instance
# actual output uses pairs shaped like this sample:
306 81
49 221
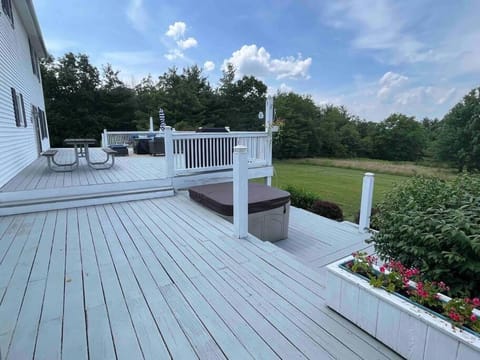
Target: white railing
188 152
198 152
124 137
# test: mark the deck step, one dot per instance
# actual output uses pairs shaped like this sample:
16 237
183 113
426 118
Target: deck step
22 206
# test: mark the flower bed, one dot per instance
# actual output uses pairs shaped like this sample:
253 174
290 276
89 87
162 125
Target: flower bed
380 300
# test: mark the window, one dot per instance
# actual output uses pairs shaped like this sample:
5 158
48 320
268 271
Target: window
8 9
43 123
34 60
19 109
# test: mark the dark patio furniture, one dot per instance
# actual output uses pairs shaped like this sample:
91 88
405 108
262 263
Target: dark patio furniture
122 150
140 146
157 146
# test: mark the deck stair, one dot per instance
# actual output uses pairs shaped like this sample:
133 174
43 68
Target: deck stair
27 201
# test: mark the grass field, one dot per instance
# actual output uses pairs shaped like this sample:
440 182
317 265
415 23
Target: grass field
337 184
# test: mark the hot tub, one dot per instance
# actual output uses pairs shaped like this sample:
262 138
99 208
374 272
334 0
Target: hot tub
268 207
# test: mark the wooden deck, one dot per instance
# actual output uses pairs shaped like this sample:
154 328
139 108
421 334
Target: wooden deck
132 168
317 241
156 279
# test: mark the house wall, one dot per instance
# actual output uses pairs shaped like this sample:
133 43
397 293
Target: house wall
18 145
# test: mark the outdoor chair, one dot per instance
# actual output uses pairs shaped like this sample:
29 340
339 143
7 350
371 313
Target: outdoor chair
157 146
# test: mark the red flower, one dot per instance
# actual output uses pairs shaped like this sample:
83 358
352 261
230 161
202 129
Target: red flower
473 318
382 268
476 302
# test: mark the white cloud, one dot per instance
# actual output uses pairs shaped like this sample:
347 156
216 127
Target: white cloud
379 25
137 15
176 30
425 96
209 66
187 43
390 81
174 54
251 60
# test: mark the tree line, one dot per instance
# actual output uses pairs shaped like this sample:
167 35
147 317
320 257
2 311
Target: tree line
82 100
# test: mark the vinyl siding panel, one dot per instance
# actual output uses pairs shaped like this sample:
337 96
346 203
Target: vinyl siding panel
18 147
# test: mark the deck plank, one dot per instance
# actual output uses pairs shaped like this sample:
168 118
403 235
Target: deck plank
164 278
74 331
13 298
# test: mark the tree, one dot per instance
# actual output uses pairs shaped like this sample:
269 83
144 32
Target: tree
297 137
459 137
81 103
399 137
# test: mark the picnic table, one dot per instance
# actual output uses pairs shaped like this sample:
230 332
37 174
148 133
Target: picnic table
81 147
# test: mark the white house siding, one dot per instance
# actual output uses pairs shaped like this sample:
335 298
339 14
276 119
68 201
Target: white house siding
18 147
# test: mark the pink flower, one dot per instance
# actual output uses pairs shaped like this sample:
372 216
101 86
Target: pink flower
476 302
454 316
473 318
382 269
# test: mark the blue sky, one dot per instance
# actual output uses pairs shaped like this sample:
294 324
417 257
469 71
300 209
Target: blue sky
373 56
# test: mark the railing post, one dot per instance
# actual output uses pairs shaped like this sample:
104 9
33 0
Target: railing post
169 155
366 203
268 130
240 191
105 138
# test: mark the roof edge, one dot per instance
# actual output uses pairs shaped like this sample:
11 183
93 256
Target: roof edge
33 15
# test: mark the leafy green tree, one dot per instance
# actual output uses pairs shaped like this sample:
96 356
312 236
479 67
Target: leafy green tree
400 137
297 137
80 102
459 137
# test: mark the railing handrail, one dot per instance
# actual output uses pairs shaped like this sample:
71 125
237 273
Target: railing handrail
239 134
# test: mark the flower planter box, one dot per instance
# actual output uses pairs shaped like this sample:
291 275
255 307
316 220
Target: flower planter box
408 329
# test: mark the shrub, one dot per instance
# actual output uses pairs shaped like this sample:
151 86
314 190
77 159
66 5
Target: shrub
310 201
327 209
301 198
434 225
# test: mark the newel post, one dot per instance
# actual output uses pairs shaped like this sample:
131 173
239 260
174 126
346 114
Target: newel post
105 138
169 155
240 191
366 203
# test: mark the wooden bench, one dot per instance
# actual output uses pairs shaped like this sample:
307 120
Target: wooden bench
102 165
66 167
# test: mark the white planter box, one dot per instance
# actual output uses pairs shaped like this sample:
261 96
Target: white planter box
408 329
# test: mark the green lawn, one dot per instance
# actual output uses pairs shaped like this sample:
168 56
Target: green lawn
339 185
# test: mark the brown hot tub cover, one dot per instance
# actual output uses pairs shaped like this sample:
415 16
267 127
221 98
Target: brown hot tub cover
219 197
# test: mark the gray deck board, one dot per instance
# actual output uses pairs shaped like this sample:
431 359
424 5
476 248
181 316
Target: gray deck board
162 278
133 168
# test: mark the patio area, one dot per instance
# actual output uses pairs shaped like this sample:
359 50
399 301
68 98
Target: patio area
164 278
130 168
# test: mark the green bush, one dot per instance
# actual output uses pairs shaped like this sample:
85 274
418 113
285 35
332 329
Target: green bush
301 198
434 225
310 201
327 209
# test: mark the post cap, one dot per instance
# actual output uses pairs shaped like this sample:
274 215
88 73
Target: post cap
369 174
240 149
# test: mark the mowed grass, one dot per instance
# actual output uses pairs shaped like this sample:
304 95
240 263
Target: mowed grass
340 185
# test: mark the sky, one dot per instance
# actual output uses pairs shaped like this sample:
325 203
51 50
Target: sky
375 57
